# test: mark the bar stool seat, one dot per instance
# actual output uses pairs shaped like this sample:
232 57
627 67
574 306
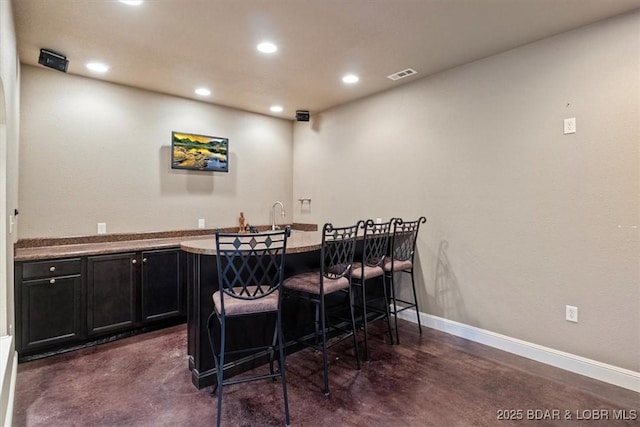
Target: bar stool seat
398 265
235 306
369 271
309 283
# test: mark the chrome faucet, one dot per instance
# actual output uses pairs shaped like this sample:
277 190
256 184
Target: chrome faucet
274 226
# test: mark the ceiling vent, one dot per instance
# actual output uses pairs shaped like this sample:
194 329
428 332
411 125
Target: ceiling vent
402 74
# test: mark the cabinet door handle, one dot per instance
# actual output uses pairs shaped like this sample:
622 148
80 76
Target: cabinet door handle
52 281
144 260
134 261
52 269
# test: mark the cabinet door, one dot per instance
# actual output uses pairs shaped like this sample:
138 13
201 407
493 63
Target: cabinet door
111 293
161 285
50 311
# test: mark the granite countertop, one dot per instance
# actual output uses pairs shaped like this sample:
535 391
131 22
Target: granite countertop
299 241
51 248
82 249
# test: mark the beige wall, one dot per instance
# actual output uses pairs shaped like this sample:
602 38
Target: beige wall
97 152
522 220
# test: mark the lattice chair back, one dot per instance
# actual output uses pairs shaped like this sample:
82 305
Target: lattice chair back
338 248
250 266
376 242
405 234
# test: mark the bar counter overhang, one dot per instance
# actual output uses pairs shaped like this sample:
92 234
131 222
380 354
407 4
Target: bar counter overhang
303 254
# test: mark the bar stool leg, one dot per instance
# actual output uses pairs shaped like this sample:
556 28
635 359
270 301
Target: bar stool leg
318 334
415 300
283 370
214 388
392 288
353 328
364 320
275 345
386 306
220 372
325 362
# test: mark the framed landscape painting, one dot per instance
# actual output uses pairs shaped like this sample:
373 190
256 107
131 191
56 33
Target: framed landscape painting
199 152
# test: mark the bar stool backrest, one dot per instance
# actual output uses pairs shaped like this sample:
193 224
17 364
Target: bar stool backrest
376 242
250 266
338 248
404 237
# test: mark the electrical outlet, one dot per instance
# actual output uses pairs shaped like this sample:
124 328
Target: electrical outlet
201 223
102 228
570 125
572 314
378 220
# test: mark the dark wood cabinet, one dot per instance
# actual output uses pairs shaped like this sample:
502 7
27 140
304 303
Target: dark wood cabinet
133 289
162 290
63 303
111 293
50 303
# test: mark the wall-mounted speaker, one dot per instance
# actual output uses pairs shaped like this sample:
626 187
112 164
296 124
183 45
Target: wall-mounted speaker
302 115
54 60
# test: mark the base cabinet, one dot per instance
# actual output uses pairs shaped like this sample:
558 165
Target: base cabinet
66 302
111 293
50 308
162 291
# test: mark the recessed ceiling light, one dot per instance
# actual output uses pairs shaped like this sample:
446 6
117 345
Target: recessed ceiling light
350 79
203 91
276 109
267 47
98 67
131 2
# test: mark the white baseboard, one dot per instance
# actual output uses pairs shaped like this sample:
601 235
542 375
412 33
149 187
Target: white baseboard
8 373
570 362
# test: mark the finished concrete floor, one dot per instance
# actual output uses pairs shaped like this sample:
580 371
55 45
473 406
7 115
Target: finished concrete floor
433 379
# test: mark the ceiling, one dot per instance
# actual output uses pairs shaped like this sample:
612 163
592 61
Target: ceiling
174 46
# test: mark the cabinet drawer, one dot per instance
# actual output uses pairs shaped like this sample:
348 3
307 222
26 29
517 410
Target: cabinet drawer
43 269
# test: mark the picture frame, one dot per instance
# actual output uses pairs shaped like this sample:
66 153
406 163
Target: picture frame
192 151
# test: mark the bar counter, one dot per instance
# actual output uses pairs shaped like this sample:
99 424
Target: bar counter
299 241
303 254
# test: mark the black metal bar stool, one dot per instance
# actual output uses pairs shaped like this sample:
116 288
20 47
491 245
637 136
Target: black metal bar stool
250 274
374 251
401 260
333 277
